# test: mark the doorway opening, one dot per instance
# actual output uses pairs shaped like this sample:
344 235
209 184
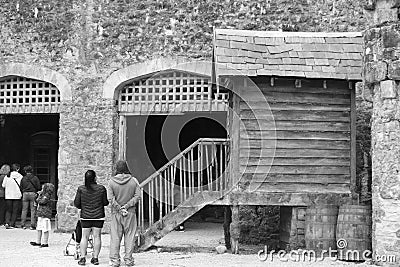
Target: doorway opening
31 140
152 141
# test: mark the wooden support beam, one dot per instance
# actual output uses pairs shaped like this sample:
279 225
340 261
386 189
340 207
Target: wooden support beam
235 230
227 222
234 133
281 198
122 137
353 156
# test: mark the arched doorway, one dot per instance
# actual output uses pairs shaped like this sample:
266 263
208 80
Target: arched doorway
30 100
164 106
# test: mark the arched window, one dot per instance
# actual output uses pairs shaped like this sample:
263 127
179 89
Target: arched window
24 95
168 91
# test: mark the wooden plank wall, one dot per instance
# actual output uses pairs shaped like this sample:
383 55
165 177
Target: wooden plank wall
303 144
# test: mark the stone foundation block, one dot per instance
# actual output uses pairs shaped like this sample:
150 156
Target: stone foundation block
375 71
394 70
388 89
385 12
292 227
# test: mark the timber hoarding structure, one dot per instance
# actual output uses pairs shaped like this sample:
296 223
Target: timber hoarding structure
291 121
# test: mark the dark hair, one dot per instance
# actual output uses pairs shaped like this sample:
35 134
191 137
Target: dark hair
15 167
121 167
90 178
48 189
28 169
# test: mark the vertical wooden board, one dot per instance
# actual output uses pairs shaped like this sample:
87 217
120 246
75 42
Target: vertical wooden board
122 137
235 141
353 139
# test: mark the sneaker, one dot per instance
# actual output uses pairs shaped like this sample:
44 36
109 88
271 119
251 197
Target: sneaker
9 226
44 245
95 261
113 264
23 227
32 228
35 244
82 261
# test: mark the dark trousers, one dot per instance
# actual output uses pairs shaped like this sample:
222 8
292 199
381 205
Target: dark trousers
2 210
12 211
28 202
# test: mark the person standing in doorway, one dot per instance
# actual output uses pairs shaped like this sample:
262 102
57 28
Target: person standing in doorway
123 194
91 199
30 185
13 195
4 171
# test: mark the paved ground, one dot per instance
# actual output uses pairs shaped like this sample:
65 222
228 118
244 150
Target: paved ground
194 247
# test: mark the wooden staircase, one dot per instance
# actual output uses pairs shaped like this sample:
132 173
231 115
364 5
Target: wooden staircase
193 179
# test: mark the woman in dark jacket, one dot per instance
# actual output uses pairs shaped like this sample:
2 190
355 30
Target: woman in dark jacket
91 199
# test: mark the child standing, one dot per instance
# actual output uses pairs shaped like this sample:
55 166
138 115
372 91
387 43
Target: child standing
44 211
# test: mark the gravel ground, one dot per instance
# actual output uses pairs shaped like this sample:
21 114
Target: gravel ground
194 247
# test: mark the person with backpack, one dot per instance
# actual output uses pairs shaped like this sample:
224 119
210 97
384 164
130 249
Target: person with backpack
13 195
30 185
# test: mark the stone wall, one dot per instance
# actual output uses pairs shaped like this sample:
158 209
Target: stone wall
87 40
292 228
259 225
382 78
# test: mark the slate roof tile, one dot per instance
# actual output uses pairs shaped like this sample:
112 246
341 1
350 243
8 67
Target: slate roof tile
262 60
222 43
237 38
223 59
312 55
258 40
321 61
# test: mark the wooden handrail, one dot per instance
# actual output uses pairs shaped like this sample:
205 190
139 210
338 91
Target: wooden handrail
180 155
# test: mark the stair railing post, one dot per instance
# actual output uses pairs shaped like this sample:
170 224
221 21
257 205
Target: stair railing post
173 184
192 172
209 185
151 199
141 215
184 179
198 168
165 192
161 196
180 181
226 175
221 177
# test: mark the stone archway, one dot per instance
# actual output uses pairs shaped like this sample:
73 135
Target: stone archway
38 73
30 101
121 76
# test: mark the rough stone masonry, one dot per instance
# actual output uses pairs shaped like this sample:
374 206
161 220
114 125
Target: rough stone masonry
382 77
87 40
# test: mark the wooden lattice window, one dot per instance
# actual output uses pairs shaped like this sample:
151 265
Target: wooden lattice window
166 92
24 95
